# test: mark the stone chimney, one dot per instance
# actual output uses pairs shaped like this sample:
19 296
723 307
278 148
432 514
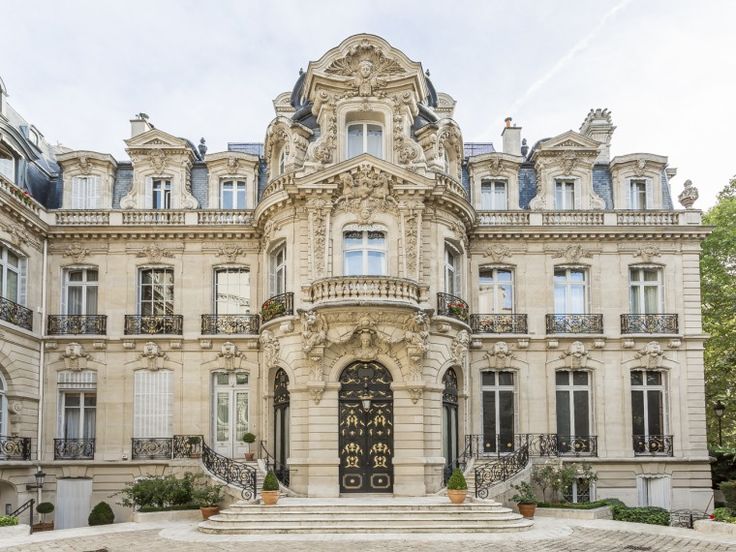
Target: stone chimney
511 138
139 125
598 125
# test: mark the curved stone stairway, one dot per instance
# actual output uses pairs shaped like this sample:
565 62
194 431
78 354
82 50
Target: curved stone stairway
365 515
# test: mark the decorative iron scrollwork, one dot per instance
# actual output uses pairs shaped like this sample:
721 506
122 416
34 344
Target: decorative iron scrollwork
499 323
649 323
230 324
452 306
574 323
15 448
170 324
76 324
653 445
74 449
278 305
487 475
16 314
230 471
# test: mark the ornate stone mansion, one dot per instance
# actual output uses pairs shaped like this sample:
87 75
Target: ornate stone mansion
372 297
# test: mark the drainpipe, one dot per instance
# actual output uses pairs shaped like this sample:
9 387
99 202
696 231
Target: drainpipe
41 362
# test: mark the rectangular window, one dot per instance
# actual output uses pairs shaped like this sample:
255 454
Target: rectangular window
365 138
156 288
493 195
11 270
161 194
85 192
498 411
452 270
78 414
647 406
232 291
152 408
232 195
7 166
645 291
564 195
573 411
80 291
496 294
639 195
278 271
654 490
580 490
364 252
571 291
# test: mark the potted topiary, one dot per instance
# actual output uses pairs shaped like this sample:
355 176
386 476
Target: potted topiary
270 489
525 499
44 508
208 497
249 438
457 487
101 514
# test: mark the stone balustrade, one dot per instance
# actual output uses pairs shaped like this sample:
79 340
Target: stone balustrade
82 218
364 289
8 189
572 218
224 216
647 218
503 218
153 216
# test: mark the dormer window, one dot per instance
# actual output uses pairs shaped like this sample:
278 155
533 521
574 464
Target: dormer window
232 194
639 194
7 165
85 192
493 195
161 194
564 195
365 137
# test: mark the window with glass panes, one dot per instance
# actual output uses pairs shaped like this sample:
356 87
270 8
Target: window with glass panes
80 291
278 271
156 290
493 195
365 138
364 252
638 194
571 291
7 165
498 411
496 293
580 490
648 403
232 194
161 194
645 290
573 407
452 270
232 291
78 414
10 274
564 194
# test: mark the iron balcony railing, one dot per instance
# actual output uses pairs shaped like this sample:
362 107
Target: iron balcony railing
76 324
230 324
648 323
74 449
278 305
498 323
15 448
16 314
653 445
540 444
452 306
574 323
166 448
169 324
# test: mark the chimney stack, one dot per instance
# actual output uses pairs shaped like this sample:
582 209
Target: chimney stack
511 138
139 125
599 126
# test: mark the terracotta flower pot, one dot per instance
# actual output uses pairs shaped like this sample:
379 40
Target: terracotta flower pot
208 511
250 456
457 496
527 510
270 497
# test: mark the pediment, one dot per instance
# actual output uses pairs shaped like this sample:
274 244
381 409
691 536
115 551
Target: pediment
156 138
570 140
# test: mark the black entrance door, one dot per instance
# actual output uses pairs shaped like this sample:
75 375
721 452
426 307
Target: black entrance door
366 417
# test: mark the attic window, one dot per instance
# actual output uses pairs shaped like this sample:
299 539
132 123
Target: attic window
365 137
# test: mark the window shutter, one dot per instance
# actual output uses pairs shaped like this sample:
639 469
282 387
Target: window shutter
77 185
148 194
577 194
22 278
649 192
174 196
152 408
93 193
641 491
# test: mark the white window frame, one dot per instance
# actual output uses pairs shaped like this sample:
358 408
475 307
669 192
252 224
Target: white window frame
277 280
85 284
645 494
488 197
570 389
85 192
567 285
565 204
366 248
496 288
153 400
364 125
232 388
8 174
244 282
164 187
153 302
638 286
83 394
635 195
453 270
3 406
236 188
644 388
19 270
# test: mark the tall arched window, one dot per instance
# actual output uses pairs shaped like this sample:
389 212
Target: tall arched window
281 400
3 407
449 420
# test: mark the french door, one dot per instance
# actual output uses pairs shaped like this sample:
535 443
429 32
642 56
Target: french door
498 412
230 414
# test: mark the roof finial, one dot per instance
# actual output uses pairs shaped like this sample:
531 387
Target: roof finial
427 72
202 147
301 71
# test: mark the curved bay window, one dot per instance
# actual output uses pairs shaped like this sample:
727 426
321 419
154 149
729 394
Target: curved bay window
364 252
452 270
281 400
365 137
277 262
449 420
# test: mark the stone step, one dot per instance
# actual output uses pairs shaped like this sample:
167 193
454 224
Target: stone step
349 516
362 527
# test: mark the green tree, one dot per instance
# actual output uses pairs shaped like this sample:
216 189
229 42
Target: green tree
718 281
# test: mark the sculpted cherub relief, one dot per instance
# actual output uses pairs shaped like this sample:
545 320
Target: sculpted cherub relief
368 68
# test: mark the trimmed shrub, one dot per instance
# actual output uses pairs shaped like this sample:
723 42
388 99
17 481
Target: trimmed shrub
650 515
249 438
575 505
7 521
270 483
45 508
728 488
101 514
724 514
158 493
723 467
524 493
457 481
174 508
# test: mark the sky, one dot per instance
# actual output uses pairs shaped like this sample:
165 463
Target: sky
666 69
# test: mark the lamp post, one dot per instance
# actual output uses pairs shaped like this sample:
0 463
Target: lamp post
719 409
40 479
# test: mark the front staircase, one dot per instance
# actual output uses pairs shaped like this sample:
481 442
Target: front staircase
365 515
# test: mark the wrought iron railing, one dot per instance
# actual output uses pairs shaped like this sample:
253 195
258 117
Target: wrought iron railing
188 446
452 306
16 314
164 448
27 505
230 324
278 305
501 469
648 323
539 444
653 445
498 323
76 324
170 324
74 449
574 323
280 470
15 448
577 445
230 471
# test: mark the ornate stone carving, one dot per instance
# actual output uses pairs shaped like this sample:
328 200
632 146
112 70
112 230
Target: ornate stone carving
364 192
416 336
84 165
232 252
568 161
319 210
271 348
572 253
495 166
459 347
229 353
75 357
157 159
322 150
640 167
648 252
368 68
689 195
76 252
497 252
412 221
501 355
152 356
408 152
154 253
650 355
576 355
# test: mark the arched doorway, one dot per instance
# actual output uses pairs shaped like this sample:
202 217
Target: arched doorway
449 420
366 420
281 416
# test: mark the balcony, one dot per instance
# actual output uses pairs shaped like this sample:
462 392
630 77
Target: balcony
364 289
166 448
153 217
277 306
653 445
224 216
577 445
76 324
498 323
230 324
74 449
649 324
574 323
16 314
169 324
539 444
452 306
15 448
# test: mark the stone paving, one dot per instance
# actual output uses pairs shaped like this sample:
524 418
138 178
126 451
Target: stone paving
548 535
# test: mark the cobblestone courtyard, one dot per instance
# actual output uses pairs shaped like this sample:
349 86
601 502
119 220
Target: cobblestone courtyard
549 535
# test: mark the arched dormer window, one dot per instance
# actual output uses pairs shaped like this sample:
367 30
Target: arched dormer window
365 137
